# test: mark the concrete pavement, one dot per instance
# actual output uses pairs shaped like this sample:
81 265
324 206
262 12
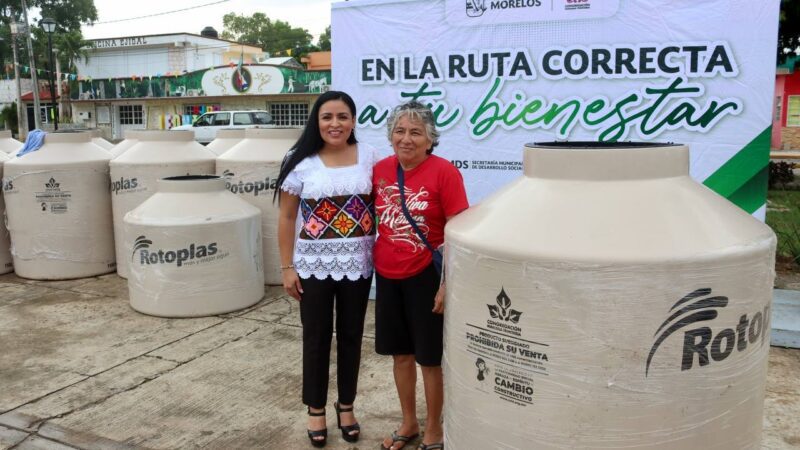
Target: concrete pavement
80 369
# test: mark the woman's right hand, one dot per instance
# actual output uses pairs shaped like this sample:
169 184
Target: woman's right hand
291 283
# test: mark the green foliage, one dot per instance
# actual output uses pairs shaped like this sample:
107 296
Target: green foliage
789 31
781 173
68 14
8 116
324 42
276 37
783 215
67 39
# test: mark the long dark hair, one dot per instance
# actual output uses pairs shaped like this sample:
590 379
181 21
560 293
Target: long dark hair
310 141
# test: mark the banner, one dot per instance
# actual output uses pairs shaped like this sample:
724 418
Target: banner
501 73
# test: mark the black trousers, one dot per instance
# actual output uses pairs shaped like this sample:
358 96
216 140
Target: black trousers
319 299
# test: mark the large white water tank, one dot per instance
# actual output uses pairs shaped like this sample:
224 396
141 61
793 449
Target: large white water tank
134 175
251 170
7 142
131 138
196 250
606 300
97 138
6 262
225 140
58 205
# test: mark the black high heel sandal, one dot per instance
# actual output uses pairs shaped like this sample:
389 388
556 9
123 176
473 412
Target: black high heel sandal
319 443
346 429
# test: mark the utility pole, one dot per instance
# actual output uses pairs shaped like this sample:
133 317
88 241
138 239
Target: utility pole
22 119
37 108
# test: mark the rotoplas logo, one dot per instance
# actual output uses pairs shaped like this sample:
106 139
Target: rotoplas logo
258 187
124 184
696 307
178 256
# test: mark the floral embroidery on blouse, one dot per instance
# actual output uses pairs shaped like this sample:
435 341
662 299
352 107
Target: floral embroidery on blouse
337 211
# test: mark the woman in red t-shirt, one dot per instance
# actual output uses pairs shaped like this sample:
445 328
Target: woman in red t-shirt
410 297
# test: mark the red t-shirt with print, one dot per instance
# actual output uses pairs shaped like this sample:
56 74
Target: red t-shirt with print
434 190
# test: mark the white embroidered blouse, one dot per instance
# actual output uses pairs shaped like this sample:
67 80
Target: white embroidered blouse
337 210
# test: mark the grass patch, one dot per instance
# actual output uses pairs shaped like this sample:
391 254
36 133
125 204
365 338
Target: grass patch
783 215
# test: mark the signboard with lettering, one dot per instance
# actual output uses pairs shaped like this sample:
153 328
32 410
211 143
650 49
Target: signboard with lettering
501 73
120 42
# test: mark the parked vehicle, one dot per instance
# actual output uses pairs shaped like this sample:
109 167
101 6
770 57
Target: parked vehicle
206 126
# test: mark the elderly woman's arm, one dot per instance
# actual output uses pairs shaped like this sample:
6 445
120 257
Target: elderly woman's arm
438 300
287 219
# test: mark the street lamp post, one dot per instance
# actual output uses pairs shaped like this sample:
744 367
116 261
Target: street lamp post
49 26
3 57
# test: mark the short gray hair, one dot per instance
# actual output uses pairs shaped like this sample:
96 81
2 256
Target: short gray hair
415 111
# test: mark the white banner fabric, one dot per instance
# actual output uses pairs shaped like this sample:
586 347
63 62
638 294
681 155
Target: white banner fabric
499 74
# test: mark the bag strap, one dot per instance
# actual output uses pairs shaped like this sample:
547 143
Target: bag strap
411 221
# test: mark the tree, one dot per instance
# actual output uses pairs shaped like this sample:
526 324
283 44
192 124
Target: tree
69 14
789 31
67 39
275 37
324 42
71 49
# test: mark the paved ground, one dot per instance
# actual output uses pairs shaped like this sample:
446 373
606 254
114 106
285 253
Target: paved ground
80 369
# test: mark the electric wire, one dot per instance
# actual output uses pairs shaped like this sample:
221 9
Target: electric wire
161 13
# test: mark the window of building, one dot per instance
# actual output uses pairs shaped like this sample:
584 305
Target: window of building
778 101
131 114
48 113
289 114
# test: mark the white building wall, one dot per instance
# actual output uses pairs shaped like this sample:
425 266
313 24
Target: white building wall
152 55
122 64
8 90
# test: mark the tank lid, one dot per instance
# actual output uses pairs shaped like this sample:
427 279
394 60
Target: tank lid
93 132
230 133
135 134
272 133
605 160
166 135
191 183
67 137
597 145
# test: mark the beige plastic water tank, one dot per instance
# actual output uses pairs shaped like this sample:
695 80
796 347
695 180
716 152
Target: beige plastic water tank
196 250
97 138
251 170
6 262
225 140
7 142
606 300
134 175
131 138
58 205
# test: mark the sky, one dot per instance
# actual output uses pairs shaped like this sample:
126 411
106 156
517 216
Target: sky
313 15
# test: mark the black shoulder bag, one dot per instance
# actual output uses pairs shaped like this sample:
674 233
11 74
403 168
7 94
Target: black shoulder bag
438 260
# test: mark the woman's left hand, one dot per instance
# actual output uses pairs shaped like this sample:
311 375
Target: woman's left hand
438 301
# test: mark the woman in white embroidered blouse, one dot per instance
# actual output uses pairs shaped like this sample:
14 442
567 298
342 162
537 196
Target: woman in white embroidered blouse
327 177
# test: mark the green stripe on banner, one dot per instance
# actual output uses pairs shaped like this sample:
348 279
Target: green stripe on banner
753 194
740 179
